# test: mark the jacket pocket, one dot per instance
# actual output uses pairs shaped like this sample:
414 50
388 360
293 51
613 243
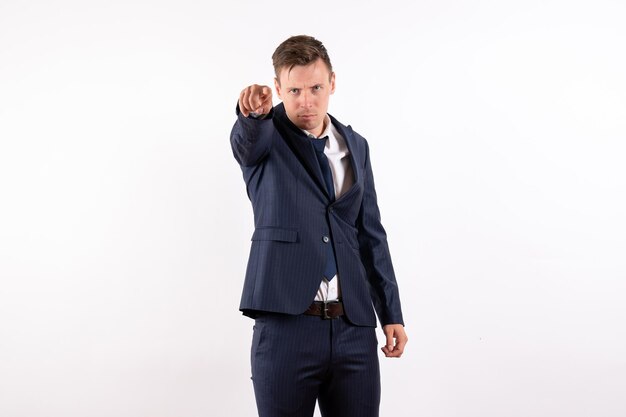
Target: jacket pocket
274 233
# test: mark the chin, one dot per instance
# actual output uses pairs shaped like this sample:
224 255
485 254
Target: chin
311 125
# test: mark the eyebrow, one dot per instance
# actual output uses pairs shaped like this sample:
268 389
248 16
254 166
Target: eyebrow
300 88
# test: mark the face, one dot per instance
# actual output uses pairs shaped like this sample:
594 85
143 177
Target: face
305 91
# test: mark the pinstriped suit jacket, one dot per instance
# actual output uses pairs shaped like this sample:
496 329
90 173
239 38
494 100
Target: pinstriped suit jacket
292 215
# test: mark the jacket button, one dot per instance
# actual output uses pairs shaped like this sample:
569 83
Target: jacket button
326 239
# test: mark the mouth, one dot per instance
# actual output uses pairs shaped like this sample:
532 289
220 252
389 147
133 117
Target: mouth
307 116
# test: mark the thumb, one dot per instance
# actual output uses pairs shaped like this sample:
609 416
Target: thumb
389 335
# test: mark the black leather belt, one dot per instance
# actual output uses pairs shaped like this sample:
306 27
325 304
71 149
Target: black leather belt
325 309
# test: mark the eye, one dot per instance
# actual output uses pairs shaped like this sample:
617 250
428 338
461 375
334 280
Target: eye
294 90
317 87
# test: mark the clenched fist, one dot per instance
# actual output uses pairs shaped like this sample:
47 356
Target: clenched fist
255 99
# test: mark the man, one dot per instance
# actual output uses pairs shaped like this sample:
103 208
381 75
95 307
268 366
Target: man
319 264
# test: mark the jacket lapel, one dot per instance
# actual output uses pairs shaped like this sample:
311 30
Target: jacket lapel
355 160
301 146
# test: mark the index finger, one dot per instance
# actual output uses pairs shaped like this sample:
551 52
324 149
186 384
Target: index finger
260 96
265 90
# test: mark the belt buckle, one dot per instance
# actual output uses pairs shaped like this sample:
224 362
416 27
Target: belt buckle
325 315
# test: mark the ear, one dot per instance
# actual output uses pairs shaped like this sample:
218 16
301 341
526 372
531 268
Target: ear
277 87
332 82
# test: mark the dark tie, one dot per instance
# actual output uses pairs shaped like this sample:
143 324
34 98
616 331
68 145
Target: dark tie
331 264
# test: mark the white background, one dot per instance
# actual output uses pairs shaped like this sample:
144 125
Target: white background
497 132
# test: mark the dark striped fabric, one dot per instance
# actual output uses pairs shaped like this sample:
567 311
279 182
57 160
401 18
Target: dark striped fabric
318 144
295 220
298 359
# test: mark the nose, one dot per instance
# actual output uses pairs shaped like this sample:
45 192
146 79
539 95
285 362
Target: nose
305 99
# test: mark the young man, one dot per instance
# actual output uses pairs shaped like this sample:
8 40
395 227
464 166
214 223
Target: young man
319 263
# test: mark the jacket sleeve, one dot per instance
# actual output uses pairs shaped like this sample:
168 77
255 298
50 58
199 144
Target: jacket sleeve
375 254
251 138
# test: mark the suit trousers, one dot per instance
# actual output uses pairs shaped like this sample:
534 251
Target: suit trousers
299 359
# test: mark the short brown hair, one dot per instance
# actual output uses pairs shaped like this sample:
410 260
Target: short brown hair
299 50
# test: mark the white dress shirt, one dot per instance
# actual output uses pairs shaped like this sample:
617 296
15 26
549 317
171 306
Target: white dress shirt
338 156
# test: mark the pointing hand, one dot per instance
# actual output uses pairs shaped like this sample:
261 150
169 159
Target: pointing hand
255 99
